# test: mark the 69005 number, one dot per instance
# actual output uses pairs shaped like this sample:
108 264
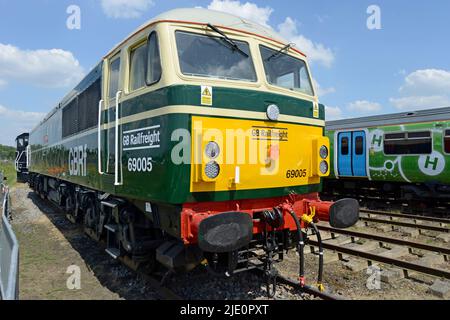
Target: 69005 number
293 174
140 164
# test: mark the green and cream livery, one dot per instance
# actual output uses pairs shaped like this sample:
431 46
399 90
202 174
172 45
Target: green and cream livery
182 145
407 152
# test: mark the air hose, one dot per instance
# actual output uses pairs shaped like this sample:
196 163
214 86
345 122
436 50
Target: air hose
301 249
319 240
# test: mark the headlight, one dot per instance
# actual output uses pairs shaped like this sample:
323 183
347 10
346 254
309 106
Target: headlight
212 150
323 167
273 112
323 152
212 170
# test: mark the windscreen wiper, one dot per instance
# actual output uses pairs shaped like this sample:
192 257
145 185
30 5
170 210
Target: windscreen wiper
276 54
228 40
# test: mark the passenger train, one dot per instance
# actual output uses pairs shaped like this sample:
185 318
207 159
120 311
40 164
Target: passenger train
400 158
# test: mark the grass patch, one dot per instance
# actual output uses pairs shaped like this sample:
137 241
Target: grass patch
9 171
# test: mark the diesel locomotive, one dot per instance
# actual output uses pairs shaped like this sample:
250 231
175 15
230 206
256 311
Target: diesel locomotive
399 158
199 139
21 161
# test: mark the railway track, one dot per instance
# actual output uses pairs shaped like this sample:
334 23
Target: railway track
441 221
386 241
301 289
406 266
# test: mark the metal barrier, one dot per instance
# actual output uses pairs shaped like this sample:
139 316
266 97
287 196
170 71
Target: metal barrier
9 251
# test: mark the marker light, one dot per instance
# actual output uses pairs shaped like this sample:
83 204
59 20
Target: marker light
323 167
212 150
323 152
212 170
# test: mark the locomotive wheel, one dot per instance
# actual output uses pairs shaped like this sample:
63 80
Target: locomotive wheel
72 213
92 220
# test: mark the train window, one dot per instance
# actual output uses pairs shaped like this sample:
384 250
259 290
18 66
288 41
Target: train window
359 146
392 136
153 60
286 71
137 67
212 57
114 70
408 143
344 146
447 141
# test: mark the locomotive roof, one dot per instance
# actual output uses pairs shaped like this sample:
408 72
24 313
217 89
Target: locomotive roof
429 115
218 18
192 15
23 135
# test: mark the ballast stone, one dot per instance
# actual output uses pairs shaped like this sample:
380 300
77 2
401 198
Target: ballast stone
441 289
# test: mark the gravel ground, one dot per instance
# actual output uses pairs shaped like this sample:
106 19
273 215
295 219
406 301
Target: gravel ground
49 244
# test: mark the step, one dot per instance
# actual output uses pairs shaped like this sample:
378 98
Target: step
112 227
113 252
110 203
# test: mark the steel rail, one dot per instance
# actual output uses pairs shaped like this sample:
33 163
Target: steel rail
304 289
406 216
406 224
410 244
405 265
308 289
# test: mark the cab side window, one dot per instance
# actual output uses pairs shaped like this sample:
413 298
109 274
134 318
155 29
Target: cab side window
145 64
138 63
153 60
114 72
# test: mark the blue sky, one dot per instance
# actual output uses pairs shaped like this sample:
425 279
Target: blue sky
402 67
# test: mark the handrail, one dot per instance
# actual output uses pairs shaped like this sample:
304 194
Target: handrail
28 153
99 139
16 161
9 254
116 165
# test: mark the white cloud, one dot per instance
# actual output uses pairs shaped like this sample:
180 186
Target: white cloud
333 113
316 52
427 82
14 122
424 89
43 68
323 91
246 10
364 106
414 103
126 9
